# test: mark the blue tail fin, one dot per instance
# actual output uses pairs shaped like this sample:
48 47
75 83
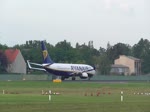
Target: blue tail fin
46 57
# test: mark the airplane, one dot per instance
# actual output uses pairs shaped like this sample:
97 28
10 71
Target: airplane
64 70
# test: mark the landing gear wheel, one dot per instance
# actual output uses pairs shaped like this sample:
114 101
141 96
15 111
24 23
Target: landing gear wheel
62 78
73 78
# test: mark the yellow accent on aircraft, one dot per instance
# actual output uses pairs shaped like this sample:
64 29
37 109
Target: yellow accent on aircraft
45 53
57 80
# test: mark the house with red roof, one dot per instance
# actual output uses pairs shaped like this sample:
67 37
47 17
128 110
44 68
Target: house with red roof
16 62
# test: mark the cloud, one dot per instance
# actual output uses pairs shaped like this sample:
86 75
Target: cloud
124 6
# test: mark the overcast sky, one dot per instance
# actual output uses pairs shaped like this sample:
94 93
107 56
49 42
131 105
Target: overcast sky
102 21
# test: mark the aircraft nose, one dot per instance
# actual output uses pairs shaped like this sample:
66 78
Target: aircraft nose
94 67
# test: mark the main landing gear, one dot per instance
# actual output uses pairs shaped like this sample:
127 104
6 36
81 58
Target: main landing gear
73 78
63 78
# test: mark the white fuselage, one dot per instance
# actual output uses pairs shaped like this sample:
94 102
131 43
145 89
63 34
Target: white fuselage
74 68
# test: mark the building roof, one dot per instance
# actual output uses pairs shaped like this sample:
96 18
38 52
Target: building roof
11 54
133 58
130 57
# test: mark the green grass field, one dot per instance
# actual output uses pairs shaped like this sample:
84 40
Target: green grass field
26 96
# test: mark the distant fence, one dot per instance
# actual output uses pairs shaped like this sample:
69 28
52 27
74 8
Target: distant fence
122 78
19 77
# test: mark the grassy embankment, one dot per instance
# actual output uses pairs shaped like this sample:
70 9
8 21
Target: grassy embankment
74 96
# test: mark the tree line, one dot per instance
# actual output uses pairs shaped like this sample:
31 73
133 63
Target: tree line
101 58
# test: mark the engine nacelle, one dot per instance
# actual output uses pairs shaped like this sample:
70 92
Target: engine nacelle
84 75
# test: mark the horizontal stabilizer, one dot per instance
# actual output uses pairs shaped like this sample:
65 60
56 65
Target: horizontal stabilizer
34 68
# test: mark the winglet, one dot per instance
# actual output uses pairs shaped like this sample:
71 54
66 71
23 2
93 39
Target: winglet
29 64
46 57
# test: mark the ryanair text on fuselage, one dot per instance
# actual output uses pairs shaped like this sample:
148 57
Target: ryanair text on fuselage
79 68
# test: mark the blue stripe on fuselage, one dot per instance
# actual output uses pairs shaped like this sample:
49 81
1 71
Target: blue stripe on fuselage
59 73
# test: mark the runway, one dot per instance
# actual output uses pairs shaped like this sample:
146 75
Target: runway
108 81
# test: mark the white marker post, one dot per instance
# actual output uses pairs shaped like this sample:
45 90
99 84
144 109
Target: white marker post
121 96
50 92
49 97
42 92
3 91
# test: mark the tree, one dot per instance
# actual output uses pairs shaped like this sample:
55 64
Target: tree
104 64
64 52
3 62
118 49
87 53
141 50
90 44
103 58
3 47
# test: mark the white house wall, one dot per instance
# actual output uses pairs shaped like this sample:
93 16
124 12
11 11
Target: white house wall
123 60
18 66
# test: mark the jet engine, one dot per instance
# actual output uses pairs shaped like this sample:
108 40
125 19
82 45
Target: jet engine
84 75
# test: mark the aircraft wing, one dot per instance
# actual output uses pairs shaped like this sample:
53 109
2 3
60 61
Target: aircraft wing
83 74
34 68
82 71
88 70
